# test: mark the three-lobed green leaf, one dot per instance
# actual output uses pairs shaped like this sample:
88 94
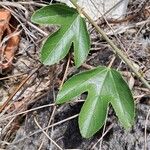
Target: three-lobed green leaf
72 30
104 86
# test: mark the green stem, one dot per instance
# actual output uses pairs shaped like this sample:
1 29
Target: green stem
110 42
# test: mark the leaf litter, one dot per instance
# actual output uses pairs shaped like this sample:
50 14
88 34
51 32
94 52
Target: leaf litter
8 44
42 88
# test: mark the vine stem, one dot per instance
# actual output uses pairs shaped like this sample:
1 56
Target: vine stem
110 42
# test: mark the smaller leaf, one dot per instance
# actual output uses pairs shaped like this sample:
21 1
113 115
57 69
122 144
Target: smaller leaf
72 30
104 86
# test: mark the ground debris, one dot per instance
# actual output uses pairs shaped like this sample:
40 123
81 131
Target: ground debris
131 34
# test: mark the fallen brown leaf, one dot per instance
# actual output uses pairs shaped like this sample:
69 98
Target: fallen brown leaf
4 21
8 48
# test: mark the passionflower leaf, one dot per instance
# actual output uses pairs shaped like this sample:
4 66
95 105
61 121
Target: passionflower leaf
72 30
104 86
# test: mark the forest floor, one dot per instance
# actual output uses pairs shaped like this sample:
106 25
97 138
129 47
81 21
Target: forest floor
30 88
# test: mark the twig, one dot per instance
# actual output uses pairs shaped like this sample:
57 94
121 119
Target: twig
38 131
50 121
14 4
18 88
37 28
47 135
114 47
32 3
65 74
54 109
13 76
112 61
86 66
33 109
124 28
27 111
109 128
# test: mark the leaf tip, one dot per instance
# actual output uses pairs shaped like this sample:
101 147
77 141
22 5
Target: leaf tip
84 133
59 99
128 124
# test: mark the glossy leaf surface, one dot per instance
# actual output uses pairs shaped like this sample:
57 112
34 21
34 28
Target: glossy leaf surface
104 86
72 30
